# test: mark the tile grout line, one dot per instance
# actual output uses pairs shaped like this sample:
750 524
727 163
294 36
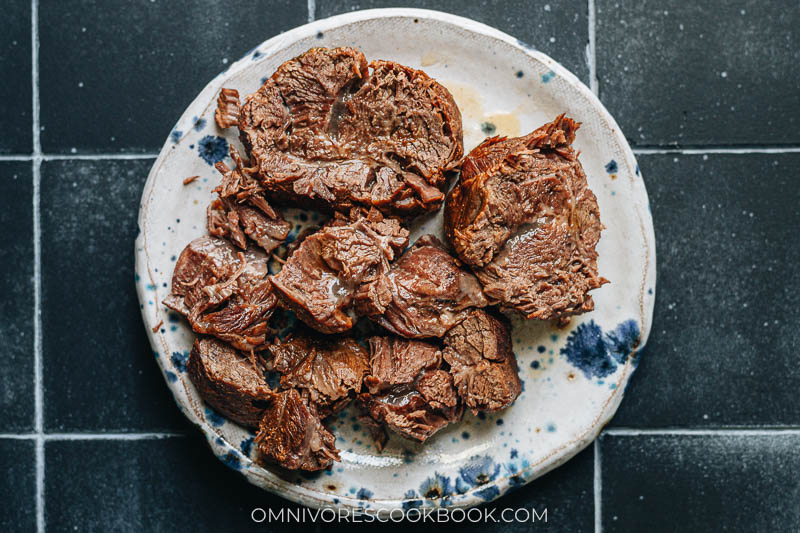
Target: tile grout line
89 436
109 436
36 162
632 432
598 488
704 151
89 157
312 10
592 52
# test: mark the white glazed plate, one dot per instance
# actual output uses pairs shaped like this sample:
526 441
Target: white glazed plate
573 379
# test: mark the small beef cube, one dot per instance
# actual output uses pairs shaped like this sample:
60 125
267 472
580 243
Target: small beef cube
408 391
327 370
291 435
424 294
320 277
398 361
483 366
223 292
229 381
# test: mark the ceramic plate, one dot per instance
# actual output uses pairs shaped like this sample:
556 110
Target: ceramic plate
573 378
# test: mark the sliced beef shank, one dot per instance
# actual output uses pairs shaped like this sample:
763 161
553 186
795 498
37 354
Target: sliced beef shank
328 130
242 210
229 381
484 368
224 292
327 370
320 277
409 392
524 218
424 294
292 435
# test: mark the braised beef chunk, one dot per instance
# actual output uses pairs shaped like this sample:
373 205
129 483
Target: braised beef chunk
425 293
291 435
415 405
242 210
483 366
327 370
229 381
224 292
328 130
320 277
524 218
398 361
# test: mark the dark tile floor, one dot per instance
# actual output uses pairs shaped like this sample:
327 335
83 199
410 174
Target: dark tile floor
18 485
723 350
689 73
707 438
16 303
132 74
15 91
88 220
701 483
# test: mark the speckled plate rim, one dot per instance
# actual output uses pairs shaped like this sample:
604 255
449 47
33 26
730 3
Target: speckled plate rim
267 479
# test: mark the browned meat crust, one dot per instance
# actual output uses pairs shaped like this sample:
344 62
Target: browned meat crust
524 218
327 130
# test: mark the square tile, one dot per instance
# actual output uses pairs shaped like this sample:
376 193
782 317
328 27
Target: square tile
99 370
723 349
151 485
17 485
132 68
701 483
559 28
16 304
689 73
15 69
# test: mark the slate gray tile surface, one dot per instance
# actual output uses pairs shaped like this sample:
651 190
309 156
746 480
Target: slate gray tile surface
173 484
558 28
17 485
133 67
176 483
16 302
15 69
694 73
723 349
99 370
701 483
115 76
